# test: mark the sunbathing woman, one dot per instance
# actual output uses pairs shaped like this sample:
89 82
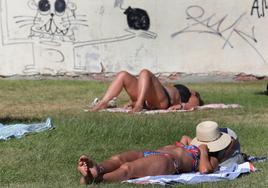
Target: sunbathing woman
147 92
168 160
218 146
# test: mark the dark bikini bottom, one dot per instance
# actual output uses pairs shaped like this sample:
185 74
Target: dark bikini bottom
168 97
145 106
184 91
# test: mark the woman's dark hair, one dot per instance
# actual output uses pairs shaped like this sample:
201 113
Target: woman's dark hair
201 102
185 94
219 154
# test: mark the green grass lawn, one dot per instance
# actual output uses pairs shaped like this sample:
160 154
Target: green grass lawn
49 159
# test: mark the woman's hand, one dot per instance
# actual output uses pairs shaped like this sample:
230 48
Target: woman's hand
129 105
203 148
176 107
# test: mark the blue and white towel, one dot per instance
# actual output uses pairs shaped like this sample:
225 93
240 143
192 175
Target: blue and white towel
225 173
19 130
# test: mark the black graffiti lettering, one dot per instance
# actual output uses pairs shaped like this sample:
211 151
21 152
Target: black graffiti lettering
264 6
259 7
255 7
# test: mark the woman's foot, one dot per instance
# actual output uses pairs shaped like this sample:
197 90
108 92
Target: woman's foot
99 106
87 170
137 108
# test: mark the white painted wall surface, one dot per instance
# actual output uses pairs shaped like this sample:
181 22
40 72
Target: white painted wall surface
190 36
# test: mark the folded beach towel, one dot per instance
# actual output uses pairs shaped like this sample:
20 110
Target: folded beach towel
204 107
19 130
218 106
225 173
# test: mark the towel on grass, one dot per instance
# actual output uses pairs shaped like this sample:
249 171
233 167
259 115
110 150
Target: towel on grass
204 107
19 130
224 173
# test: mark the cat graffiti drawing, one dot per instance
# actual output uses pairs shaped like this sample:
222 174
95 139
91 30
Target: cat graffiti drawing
53 19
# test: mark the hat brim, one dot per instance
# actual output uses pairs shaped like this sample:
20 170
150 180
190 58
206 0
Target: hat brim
216 145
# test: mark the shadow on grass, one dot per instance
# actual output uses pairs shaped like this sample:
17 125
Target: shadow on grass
261 93
264 92
12 119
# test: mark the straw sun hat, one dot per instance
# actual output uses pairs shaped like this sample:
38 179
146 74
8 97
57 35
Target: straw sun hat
208 132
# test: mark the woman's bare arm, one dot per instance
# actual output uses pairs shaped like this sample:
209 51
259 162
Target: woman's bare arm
207 164
193 101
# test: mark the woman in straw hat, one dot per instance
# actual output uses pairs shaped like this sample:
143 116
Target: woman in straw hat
203 154
147 92
216 145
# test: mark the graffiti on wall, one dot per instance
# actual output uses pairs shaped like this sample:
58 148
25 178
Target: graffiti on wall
55 18
137 19
68 35
52 28
259 7
201 23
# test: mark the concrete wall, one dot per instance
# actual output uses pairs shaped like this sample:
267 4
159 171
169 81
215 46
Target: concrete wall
82 36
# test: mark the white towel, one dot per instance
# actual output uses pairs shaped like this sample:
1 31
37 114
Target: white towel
19 130
204 107
225 173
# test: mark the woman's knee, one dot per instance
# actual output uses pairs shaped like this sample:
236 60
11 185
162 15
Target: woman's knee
123 74
126 170
117 159
145 73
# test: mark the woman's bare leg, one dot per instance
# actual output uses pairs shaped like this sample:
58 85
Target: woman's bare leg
151 90
117 160
146 166
122 80
90 171
146 88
